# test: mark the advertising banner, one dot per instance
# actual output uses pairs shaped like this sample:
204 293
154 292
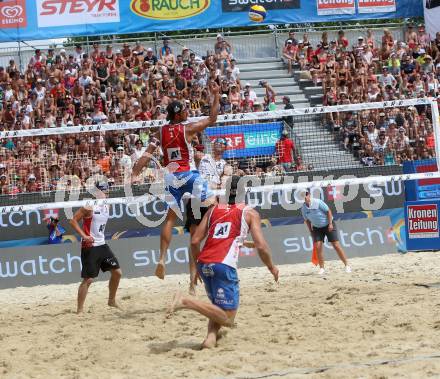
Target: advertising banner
61 264
422 225
42 19
248 140
19 225
432 16
332 7
375 6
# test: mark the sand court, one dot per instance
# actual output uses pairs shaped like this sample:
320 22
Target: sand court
380 321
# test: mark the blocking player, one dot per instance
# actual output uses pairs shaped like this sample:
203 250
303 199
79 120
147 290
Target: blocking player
211 168
95 253
225 227
175 141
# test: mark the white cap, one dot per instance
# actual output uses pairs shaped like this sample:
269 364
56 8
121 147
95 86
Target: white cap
248 85
69 123
224 95
149 49
120 148
219 35
2 165
31 176
422 51
62 51
135 104
118 51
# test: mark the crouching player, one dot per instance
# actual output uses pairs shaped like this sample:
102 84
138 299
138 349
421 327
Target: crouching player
225 227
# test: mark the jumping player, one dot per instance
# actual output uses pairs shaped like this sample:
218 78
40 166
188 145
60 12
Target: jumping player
225 227
175 141
95 253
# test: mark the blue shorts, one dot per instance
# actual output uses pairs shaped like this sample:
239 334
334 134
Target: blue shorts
179 183
221 284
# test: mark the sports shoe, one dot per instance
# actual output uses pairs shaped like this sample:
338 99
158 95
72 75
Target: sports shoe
321 271
347 269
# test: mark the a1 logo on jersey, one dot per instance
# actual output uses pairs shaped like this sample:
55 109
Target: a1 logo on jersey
222 230
174 154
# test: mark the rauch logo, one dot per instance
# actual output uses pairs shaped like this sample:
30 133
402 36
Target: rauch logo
423 221
169 9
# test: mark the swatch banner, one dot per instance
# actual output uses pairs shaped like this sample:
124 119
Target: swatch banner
43 19
432 16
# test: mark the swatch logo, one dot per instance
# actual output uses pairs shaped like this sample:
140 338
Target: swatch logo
12 12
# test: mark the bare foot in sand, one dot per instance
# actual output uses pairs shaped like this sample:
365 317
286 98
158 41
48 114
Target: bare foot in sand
176 304
210 341
192 290
79 311
160 270
112 303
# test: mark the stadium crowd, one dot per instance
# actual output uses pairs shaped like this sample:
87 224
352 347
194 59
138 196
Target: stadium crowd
133 84
364 71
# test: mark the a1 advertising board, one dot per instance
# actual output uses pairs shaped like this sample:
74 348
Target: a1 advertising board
375 6
41 265
422 225
332 7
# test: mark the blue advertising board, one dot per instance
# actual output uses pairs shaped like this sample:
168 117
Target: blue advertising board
42 19
248 140
422 225
423 189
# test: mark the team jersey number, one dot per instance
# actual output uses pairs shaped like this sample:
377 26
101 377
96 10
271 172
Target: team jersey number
222 230
174 154
101 228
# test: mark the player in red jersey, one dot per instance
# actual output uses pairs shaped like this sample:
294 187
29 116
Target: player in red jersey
225 227
175 140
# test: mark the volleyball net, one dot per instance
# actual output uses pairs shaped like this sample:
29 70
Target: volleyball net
341 147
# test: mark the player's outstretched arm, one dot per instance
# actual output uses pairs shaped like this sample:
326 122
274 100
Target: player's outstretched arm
254 221
199 235
200 126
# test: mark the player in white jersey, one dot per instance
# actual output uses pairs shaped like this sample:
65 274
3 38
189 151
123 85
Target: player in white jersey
95 253
211 168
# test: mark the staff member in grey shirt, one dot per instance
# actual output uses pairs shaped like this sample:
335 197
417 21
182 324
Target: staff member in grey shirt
319 219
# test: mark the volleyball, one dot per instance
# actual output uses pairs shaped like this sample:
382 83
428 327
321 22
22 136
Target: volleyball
257 13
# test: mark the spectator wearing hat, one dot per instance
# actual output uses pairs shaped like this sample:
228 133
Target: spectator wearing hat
56 231
423 37
251 92
285 150
290 54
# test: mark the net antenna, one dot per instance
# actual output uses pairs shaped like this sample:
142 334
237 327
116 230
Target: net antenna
308 127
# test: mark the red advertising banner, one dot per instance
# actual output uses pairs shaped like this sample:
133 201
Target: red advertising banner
13 14
332 7
376 6
423 221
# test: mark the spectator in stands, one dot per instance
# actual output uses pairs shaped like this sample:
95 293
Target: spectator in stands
56 231
290 54
285 150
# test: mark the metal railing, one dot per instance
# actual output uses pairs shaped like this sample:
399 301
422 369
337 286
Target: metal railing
247 44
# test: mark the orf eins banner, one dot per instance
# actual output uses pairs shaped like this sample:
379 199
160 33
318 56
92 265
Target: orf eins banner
42 19
248 140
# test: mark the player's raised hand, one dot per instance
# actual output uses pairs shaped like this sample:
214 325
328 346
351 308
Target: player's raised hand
214 87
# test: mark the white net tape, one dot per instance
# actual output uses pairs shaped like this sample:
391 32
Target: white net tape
220 120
